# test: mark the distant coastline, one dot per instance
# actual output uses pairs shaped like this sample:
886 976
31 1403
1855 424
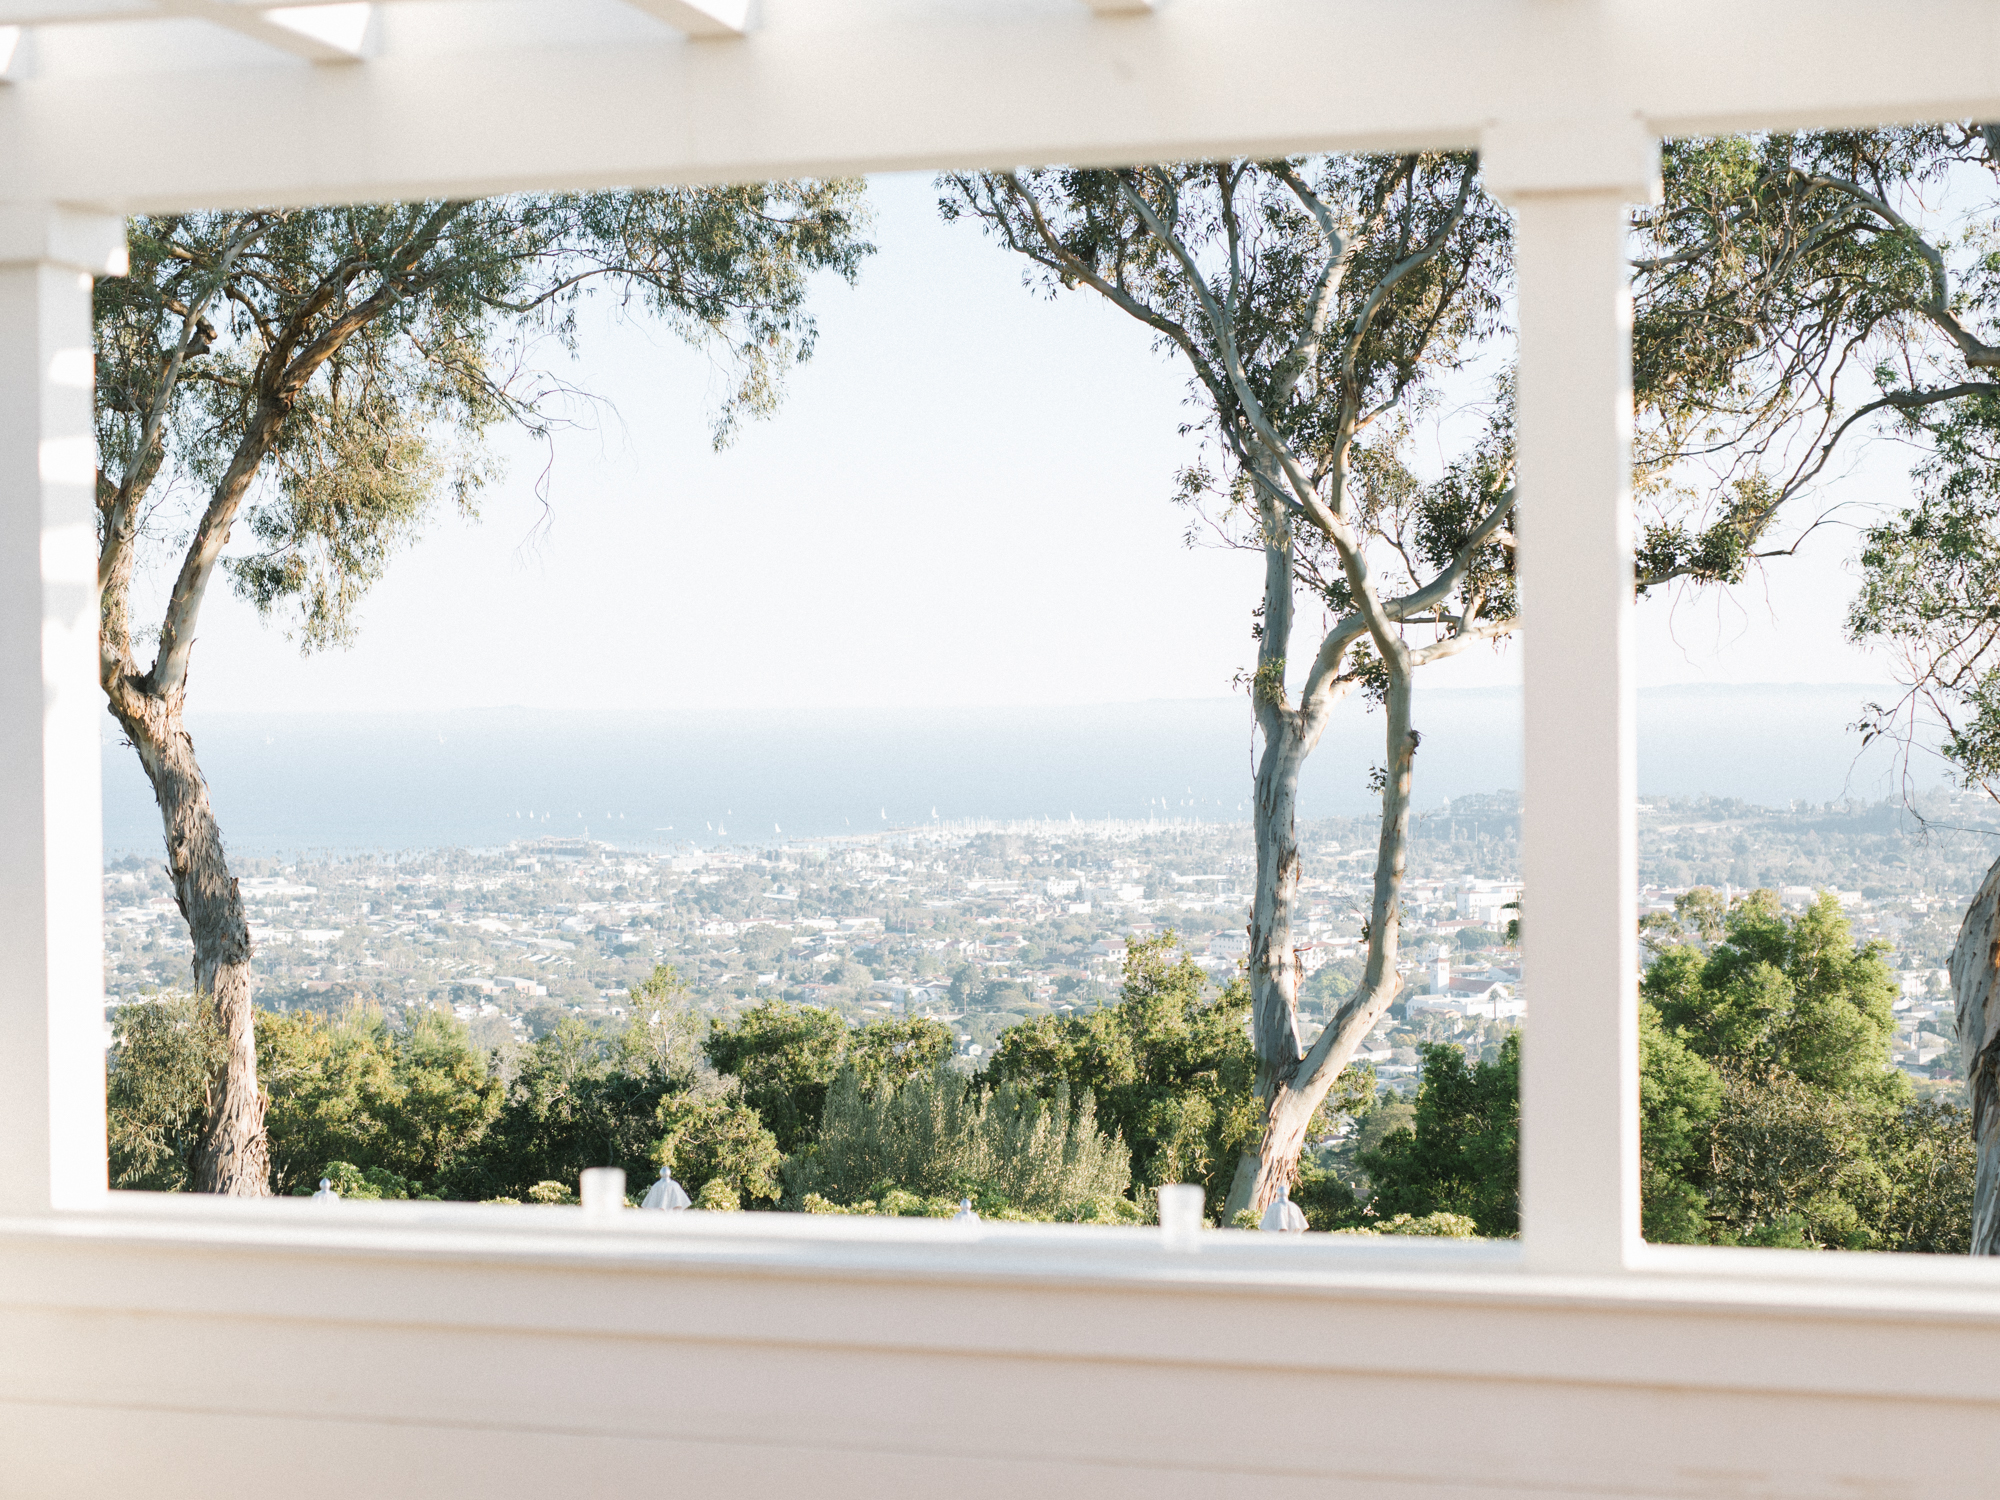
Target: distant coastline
482 777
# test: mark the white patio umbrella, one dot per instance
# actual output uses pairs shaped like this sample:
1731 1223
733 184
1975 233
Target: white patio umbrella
1284 1216
667 1194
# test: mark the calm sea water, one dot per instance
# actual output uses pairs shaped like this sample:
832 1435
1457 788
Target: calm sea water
484 777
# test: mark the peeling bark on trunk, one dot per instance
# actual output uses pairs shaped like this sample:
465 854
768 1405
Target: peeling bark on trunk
1274 967
1975 974
234 1155
1292 1081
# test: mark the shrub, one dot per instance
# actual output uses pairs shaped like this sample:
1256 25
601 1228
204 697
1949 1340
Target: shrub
939 1136
1436 1226
163 1053
360 1184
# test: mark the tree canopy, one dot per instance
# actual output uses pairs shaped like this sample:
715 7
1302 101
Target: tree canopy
786 1055
1770 1113
1461 1153
1168 1065
326 377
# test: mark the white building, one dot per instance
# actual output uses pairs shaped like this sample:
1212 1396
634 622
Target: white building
1485 901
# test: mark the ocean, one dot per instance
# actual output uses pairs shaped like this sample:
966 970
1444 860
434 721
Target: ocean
481 778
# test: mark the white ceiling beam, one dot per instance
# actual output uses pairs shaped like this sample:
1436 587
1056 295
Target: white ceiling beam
322 33
834 86
343 29
1124 7
705 19
68 12
61 12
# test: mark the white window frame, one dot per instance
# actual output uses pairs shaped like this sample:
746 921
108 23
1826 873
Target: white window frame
1566 99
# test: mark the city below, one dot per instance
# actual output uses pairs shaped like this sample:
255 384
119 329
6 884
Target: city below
985 925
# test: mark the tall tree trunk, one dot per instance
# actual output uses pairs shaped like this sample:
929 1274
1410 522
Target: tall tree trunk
1975 973
1293 1082
1274 960
234 1155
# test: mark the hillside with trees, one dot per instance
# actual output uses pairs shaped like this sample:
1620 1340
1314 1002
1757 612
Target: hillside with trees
1771 1114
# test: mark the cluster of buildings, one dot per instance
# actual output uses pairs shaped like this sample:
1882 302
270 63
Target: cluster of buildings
986 925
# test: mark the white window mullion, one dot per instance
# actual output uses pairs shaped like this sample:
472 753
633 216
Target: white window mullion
52 1147
1569 185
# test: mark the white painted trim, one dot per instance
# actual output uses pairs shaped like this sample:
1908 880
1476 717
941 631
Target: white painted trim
320 32
1579 847
74 239
470 97
454 1349
52 1131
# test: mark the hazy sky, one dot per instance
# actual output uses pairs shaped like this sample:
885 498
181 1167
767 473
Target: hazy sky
965 499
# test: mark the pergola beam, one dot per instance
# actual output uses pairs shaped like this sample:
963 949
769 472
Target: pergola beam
879 85
323 33
705 19
327 31
339 30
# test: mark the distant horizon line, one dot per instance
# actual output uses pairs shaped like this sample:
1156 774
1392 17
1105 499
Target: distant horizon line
1046 705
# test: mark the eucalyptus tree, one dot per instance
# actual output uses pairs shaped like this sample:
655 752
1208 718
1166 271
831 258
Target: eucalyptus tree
317 383
1318 304
1326 307
1798 296
1910 215
1931 568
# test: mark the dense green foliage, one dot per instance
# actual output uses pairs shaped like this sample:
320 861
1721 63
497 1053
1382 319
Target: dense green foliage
715 1145
1169 1066
408 1101
786 1056
1461 1153
785 1101
156 1085
579 1098
1771 1114
941 1136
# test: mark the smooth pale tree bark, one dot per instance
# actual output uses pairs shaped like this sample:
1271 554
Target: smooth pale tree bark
1292 1080
1975 972
1313 300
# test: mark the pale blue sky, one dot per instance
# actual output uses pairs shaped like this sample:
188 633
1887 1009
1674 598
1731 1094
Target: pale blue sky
964 500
